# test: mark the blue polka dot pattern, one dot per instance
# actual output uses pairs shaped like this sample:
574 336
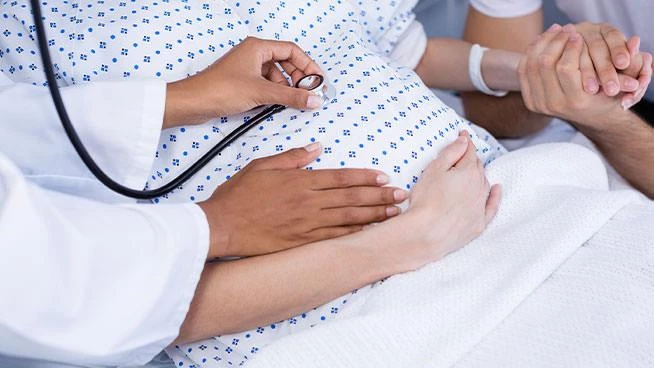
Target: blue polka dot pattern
382 117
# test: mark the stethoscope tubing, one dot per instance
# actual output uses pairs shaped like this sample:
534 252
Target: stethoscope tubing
84 155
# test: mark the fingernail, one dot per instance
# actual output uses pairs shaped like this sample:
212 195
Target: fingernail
627 103
554 27
392 211
383 179
621 61
314 102
612 88
313 147
399 195
631 84
591 85
569 28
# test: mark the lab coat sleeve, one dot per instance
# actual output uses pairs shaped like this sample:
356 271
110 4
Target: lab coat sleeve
119 123
85 282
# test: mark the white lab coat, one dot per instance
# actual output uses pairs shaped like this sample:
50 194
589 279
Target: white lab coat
100 279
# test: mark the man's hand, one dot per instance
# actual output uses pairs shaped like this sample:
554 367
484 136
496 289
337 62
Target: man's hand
273 204
244 78
551 79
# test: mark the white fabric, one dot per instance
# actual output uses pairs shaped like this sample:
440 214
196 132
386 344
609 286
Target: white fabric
434 316
594 311
93 283
119 123
411 46
633 17
88 282
474 72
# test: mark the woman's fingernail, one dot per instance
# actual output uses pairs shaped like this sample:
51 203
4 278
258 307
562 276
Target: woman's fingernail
621 61
399 195
554 27
383 179
314 102
392 211
313 147
612 88
569 28
591 85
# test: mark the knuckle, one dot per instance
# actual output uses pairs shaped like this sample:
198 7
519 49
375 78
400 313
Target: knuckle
597 43
350 216
379 213
387 195
565 69
546 61
341 178
352 197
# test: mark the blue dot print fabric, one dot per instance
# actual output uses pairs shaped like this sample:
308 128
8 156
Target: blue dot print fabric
382 116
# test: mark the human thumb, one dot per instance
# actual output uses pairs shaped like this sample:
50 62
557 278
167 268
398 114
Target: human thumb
297 98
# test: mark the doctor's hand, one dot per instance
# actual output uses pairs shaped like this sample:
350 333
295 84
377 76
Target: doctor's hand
273 204
551 78
244 78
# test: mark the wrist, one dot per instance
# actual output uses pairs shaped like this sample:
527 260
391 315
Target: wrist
499 69
182 106
611 120
219 238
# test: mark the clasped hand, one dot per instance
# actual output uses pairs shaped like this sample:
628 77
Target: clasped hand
585 74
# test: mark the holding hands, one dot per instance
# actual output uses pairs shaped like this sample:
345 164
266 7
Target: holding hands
584 74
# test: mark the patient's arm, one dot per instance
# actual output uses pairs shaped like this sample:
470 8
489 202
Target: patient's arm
450 206
505 117
445 65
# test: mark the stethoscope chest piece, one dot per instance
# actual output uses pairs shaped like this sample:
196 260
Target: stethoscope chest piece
317 84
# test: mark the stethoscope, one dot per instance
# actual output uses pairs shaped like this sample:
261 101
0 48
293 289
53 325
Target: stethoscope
312 82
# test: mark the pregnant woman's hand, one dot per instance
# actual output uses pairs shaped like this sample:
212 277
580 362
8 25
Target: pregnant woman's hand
451 205
273 204
244 78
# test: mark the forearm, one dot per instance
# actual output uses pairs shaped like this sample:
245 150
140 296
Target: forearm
239 295
444 65
507 117
627 142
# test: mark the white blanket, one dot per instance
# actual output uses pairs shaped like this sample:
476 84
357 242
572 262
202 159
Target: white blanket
555 200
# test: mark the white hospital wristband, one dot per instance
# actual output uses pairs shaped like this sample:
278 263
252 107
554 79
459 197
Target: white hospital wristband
474 71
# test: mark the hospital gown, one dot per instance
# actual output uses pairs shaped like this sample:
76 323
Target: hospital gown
382 117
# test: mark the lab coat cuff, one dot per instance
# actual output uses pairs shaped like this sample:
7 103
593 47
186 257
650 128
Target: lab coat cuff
148 134
192 229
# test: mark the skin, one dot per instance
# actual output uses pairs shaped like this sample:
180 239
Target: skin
297 253
449 70
551 76
244 78
623 137
254 213
450 205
